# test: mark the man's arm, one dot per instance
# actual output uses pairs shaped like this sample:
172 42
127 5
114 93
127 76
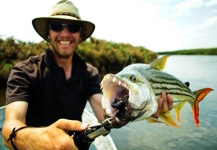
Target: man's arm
47 138
96 104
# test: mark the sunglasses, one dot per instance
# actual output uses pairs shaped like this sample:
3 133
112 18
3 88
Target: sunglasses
58 27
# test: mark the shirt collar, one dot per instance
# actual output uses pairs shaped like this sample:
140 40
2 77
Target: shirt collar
78 63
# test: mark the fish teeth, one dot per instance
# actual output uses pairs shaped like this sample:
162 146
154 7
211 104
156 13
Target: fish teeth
124 85
119 83
114 79
108 76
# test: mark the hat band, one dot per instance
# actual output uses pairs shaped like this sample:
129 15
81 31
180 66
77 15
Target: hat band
66 14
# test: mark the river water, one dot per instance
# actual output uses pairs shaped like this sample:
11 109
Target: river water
201 72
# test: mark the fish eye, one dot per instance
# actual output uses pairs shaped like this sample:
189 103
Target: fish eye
132 78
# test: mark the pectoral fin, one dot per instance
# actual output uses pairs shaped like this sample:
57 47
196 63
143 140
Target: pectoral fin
167 117
154 120
177 110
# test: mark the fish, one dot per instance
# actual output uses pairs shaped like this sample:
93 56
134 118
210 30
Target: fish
132 94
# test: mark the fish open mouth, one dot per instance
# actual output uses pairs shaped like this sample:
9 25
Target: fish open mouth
115 101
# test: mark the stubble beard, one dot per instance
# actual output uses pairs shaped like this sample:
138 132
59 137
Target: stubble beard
64 55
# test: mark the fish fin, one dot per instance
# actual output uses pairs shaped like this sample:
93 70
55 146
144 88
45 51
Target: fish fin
177 110
154 120
200 94
167 117
187 84
159 63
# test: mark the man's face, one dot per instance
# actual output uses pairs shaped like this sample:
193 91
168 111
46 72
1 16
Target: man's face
64 37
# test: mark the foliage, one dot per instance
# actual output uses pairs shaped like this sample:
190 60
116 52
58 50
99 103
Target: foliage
198 51
108 57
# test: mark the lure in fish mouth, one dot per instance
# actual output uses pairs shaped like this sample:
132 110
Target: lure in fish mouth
125 99
132 94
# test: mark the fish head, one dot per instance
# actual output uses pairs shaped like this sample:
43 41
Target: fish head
128 95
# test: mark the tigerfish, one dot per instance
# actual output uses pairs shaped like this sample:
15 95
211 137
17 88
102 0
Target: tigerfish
132 94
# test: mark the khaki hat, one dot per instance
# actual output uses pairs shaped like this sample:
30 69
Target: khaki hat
63 10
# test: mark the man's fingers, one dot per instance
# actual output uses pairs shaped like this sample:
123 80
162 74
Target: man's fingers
160 105
71 125
170 102
165 104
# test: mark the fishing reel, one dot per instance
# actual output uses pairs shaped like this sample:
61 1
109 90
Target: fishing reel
83 139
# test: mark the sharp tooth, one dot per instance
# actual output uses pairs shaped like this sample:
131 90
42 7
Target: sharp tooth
124 84
108 76
119 82
114 79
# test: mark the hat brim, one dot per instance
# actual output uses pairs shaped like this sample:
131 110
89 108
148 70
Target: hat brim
41 26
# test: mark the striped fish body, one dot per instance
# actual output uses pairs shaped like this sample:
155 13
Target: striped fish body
132 94
162 81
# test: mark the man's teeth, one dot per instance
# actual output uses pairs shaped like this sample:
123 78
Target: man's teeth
64 42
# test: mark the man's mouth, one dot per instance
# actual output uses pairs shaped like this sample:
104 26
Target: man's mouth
65 42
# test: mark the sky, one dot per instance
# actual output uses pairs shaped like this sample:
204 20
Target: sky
159 25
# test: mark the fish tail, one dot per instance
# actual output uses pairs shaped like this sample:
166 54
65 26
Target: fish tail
200 94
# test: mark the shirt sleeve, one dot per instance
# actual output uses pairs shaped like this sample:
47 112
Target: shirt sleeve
20 83
94 85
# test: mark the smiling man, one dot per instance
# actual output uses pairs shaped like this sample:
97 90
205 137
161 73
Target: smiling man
47 93
52 89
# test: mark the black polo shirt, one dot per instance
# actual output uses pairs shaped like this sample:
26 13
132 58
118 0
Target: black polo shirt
41 83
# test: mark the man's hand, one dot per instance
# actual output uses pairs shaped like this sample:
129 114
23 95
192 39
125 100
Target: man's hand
57 133
52 137
165 103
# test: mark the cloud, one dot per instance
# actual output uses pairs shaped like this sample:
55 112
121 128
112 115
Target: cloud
184 7
211 22
211 3
214 11
189 4
149 23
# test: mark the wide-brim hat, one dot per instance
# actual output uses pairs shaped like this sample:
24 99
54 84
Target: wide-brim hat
63 10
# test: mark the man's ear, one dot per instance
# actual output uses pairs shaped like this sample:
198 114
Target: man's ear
48 38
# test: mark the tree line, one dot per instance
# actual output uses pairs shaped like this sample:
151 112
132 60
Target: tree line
107 56
196 51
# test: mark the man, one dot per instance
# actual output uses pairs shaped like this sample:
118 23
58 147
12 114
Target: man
46 94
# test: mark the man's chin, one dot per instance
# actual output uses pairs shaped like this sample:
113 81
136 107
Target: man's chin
65 56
